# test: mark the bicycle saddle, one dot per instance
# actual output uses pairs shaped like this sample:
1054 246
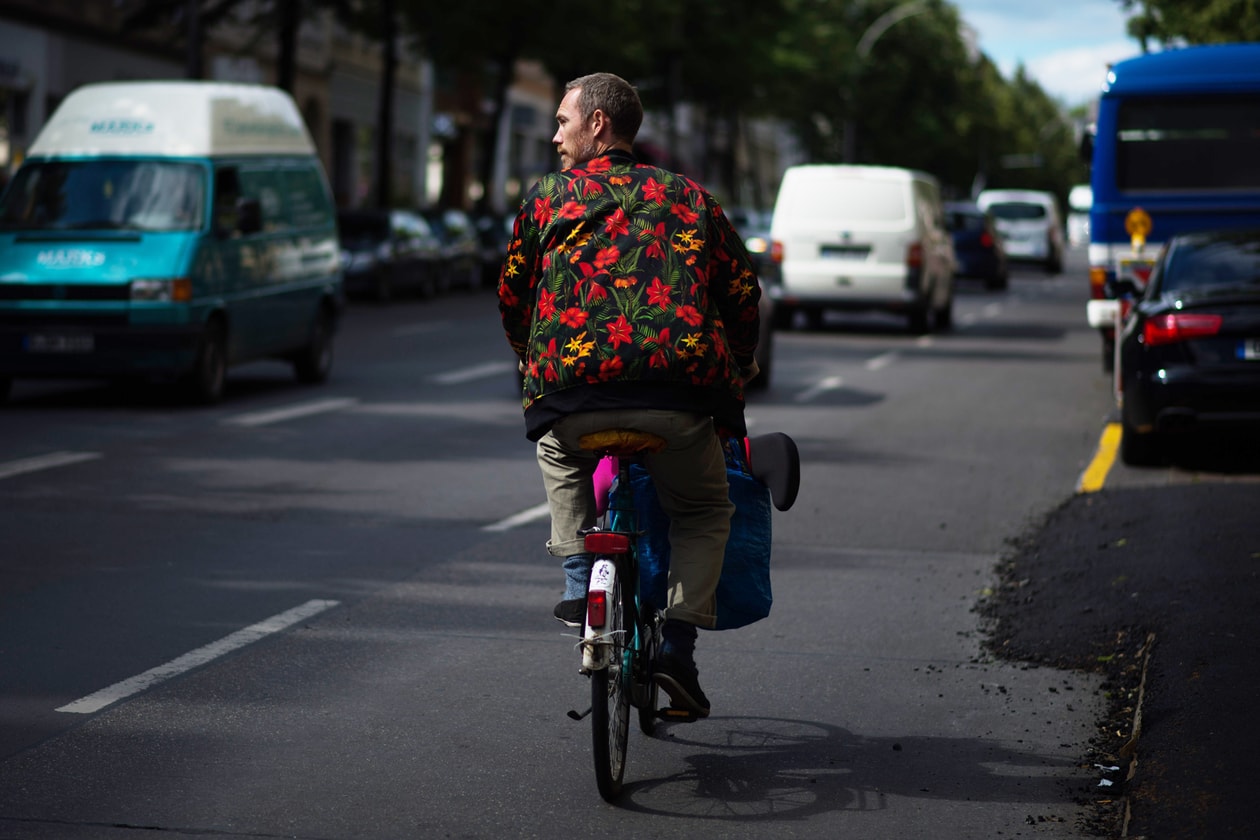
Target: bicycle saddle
622 443
776 462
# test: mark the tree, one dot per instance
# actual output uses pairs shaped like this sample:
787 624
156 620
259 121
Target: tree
1166 22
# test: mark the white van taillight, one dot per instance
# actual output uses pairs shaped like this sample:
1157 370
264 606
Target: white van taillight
914 255
776 251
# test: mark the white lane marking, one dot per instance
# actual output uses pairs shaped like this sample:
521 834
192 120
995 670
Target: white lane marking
992 310
882 361
828 384
455 377
44 462
262 418
193 659
524 517
925 341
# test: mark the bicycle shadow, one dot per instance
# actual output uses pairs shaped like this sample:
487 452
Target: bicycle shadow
772 769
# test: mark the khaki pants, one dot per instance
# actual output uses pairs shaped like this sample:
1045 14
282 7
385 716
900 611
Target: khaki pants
690 479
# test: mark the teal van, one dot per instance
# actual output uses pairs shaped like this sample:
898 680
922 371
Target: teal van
168 230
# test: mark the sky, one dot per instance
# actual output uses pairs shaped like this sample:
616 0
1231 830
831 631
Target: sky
1065 45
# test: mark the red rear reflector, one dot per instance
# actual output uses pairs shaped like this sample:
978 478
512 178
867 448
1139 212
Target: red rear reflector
596 608
1180 326
986 241
607 542
776 251
914 255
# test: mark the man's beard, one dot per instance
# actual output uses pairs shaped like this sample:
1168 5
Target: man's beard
581 154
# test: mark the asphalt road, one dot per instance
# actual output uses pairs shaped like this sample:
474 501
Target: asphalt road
324 613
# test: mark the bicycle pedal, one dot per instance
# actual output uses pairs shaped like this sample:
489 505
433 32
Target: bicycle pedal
677 715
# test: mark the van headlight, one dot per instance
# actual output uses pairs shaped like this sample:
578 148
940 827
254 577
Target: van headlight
161 290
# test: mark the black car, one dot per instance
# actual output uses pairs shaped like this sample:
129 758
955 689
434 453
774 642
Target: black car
1190 347
384 251
461 247
978 249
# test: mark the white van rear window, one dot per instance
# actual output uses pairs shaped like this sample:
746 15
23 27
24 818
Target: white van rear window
868 200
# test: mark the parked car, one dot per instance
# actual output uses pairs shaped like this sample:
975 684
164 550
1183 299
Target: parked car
494 231
978 249
767 258
1030 225
386 251
461 247
863 238
1190 346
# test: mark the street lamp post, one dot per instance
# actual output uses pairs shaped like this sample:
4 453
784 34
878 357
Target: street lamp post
864 45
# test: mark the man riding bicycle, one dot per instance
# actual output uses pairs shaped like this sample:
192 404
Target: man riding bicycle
631 302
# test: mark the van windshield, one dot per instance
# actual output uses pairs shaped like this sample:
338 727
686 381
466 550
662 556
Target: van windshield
105 195
876 201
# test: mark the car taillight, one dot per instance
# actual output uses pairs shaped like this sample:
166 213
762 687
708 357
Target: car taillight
986 241
914 255
596 608
776 251
1179 326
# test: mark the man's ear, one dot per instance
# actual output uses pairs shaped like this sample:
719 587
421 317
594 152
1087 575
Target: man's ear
599 123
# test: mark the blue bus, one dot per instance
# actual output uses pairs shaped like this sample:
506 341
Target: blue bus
1176 148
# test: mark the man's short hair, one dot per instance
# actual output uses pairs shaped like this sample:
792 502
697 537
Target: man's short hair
613 95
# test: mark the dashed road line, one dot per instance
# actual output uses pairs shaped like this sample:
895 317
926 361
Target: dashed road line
194 659
44 462
523 518
279 415
456 377
829 384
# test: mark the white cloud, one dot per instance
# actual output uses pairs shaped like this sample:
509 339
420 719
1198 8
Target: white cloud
1076 75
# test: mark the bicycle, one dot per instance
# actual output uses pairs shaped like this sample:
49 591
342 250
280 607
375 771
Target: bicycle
621 631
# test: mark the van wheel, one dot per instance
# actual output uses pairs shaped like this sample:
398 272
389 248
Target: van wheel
204 386
314 362
783 316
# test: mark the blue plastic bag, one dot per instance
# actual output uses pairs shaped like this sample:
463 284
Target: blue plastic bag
743 592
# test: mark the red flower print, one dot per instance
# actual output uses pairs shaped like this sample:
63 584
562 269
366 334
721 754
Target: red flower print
596 292
654 191
572 210
546 305
607 256
619 331
658 293
656 250
592 188
598 165
690 314
617 224
610 368
574 317
542 211
684 213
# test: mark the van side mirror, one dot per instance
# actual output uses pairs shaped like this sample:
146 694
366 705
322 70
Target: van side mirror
248 215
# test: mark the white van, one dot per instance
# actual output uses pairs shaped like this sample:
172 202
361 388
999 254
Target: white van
1080 201
863 238
168 230
1030 225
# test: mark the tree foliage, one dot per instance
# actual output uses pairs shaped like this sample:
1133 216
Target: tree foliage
1168 22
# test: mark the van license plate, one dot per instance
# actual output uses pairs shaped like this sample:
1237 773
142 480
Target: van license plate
60 343
1249 348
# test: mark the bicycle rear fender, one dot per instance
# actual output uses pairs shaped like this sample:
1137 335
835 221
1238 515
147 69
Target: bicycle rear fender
601 590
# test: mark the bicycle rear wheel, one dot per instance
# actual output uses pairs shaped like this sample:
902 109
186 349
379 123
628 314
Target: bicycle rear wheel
610 699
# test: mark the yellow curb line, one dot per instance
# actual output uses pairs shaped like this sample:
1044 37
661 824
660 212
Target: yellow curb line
1096 473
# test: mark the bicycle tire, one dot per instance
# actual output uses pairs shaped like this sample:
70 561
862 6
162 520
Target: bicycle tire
649 691
610 699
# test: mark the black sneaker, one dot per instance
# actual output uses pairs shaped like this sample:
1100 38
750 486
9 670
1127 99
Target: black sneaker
678 677
571 613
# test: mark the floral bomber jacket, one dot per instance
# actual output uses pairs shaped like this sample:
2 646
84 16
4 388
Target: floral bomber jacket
624 280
